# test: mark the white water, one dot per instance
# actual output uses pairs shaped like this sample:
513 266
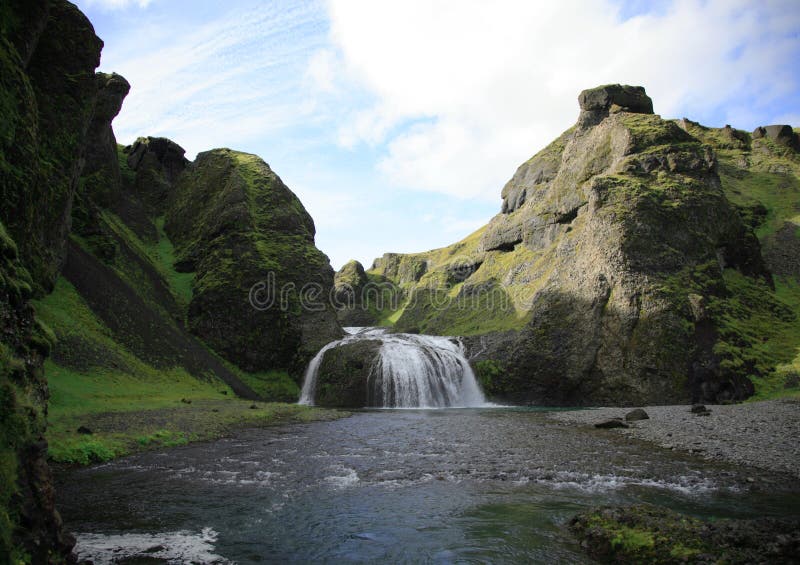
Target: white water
410 371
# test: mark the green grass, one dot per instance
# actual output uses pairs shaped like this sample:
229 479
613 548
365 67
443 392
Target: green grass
274 385
163 254
127 414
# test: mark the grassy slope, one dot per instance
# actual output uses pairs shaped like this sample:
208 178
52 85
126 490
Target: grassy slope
100 383
758 172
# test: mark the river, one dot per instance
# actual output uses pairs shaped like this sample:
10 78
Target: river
480 485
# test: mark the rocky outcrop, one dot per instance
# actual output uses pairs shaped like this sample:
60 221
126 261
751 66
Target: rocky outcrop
102 180
649 534
598 103
157 163
351 296
344 375
51 101
781 134
261 291
608 244
48 53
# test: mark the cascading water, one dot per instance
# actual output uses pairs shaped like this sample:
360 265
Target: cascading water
410 371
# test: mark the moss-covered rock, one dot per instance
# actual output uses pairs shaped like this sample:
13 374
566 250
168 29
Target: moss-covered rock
48 53
652 534
578 276
344 375
55 96
261 290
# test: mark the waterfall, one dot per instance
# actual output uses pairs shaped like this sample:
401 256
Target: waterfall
410 371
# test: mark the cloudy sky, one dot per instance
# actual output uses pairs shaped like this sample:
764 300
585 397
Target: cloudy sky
397 123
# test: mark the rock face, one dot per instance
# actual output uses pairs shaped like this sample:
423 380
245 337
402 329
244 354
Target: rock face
650 534
352 296
48 54
597 103
343 375
604 238
782 134
261 291
157 162
48 106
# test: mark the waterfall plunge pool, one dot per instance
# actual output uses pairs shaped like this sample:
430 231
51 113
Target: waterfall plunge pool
487 485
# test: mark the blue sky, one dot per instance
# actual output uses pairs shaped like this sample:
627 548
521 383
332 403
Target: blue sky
397 123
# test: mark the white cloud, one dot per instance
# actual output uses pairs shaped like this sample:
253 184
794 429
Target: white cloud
465 91
118 4
231 80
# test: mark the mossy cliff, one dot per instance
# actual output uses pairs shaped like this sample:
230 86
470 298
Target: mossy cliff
261 289
48 53
102 318
616 272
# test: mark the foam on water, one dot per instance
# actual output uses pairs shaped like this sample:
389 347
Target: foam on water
174 547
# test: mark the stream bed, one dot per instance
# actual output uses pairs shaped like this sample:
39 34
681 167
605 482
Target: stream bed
481 485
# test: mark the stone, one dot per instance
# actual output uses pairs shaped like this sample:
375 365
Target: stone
597 103
780 133
612 423
698 409
636 415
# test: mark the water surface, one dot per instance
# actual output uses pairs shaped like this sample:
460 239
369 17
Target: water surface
399 486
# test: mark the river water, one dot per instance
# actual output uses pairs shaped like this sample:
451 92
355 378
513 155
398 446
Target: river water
491 485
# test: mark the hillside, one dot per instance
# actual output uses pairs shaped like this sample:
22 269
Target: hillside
126 277
624 266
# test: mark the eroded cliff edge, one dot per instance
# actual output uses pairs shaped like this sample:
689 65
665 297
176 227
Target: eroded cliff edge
618 271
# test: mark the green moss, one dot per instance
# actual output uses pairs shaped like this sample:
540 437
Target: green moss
163 254
276 386
489 373
632 540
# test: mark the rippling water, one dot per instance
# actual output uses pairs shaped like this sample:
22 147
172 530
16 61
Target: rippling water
437 486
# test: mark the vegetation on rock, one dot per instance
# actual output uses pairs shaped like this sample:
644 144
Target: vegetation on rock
651 534
623 267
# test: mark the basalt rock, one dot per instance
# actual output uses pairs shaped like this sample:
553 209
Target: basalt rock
352 296
781 134
48 54
604 279
261 291
344 374
597 103
157 162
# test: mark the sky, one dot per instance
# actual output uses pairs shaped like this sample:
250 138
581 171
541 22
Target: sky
398 123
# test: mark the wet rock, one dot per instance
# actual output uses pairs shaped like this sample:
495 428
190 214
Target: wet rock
636 415
612 423
665 536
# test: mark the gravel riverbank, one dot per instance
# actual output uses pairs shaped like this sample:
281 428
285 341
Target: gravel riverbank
762 434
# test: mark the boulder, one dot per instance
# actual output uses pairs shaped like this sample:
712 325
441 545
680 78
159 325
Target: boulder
597 103
636 415
343 377
611 423
779 133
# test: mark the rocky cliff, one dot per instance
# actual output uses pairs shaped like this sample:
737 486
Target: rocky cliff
94 294
612 275
48 53
261 291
